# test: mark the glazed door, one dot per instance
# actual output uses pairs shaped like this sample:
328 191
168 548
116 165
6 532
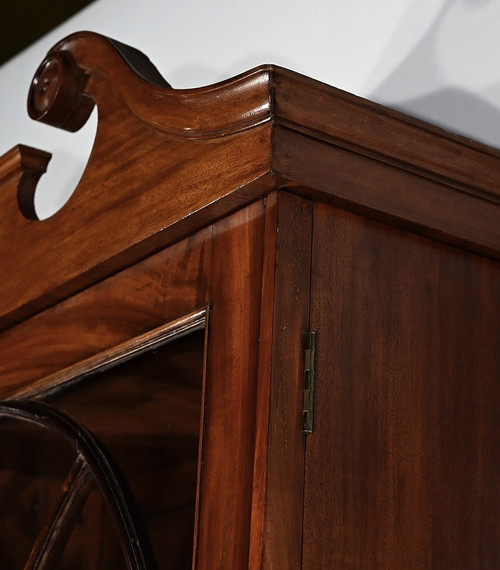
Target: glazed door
101 468
208 481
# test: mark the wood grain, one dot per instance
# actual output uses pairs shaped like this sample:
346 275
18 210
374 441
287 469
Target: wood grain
150 294
402 470
214 111
127 350
264 364
141 172
280 445
147 412
378 190
20 170
352 123
49 260
183 206
181 159
231 387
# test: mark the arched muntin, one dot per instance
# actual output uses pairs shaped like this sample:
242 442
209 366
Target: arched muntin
92 457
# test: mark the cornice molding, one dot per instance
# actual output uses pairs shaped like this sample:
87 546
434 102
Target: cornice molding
167 162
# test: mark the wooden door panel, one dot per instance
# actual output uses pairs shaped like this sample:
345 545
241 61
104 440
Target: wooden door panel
402 470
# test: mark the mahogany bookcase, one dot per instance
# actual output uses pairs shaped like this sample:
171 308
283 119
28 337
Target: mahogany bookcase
263 333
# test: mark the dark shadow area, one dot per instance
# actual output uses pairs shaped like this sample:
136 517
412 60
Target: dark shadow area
454 108
458 111
25 21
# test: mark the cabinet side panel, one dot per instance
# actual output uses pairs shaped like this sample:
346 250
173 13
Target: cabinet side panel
402 470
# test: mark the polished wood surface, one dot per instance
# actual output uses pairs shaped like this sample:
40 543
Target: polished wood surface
148 295
402 470
138 172
258 208
20 169
146 410
363 127
120 352
181 159
49 260
222 266
280 445
435 208
231 385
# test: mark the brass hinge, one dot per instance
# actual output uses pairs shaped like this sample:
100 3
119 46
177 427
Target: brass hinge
309 378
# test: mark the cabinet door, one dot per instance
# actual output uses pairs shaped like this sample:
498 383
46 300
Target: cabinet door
102 470
218 271
402 468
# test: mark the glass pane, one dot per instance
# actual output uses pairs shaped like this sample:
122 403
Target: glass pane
94 542
147 412
34 463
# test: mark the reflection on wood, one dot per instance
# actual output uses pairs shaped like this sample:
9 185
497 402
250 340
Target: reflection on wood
116 354
147 412
127 305
46 419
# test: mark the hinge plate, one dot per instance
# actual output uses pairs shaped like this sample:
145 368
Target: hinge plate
309 379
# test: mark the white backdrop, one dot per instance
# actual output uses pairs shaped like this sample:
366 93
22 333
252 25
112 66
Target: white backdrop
436 59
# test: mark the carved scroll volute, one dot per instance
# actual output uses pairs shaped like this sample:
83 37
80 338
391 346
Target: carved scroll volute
87 68
65 88
57 95
151 141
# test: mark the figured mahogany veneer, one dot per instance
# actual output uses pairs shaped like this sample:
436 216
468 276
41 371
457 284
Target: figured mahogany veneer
257 209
